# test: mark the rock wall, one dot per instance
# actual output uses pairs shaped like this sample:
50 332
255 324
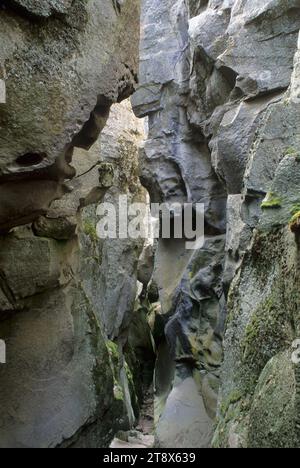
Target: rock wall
259 402
219 83
83 319
65 296
176 167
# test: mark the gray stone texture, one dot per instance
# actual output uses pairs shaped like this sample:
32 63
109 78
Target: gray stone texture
66 382
219 82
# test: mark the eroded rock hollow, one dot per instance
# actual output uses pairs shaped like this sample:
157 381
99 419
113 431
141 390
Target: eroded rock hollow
94 327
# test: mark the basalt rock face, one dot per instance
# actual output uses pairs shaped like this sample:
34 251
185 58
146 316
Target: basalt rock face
219 82
66 297
259 401
176 167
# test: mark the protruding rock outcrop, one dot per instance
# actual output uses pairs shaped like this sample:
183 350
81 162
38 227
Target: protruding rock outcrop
63 68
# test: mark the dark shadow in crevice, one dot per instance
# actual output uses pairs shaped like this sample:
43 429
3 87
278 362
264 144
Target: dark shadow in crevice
30 159
94 126
11 5
22 11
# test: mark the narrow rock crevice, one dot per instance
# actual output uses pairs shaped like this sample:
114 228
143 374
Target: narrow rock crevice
126 342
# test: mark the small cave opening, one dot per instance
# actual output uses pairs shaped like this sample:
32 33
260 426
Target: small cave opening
30 159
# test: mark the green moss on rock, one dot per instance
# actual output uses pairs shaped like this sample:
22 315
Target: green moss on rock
273 415
271 201
294 223
264 312
115 363
89 229
265 321
290 151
